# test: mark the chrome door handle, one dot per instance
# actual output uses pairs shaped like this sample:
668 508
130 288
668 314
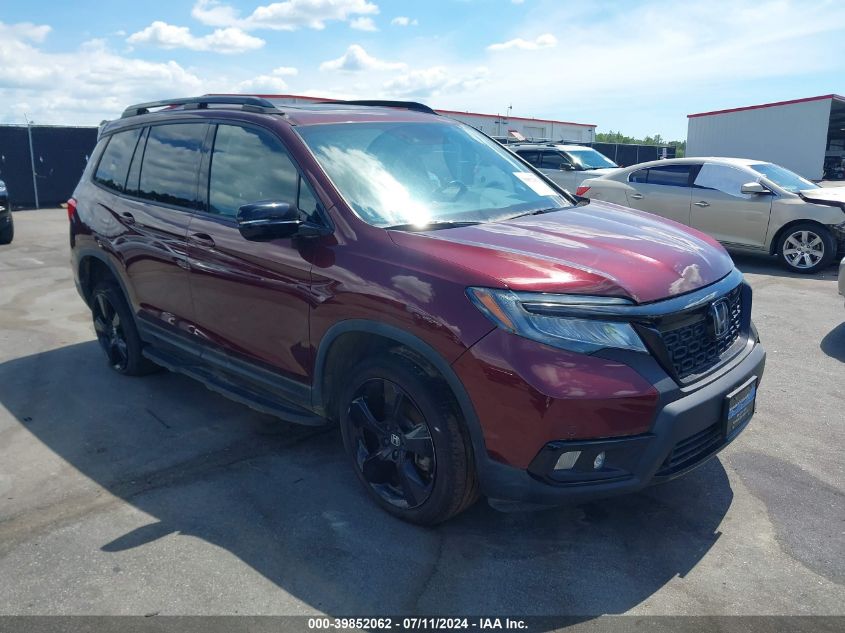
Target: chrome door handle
701 204
637 196
203 239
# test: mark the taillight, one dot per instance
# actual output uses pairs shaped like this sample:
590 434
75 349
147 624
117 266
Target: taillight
71 209
580 191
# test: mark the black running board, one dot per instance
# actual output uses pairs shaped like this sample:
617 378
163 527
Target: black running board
261 402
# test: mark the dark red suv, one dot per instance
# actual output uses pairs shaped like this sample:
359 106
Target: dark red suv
471 327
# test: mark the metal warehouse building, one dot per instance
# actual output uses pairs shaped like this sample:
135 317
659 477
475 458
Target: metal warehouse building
804 135
492 124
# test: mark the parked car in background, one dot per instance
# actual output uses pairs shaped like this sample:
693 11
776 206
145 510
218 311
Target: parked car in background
566 165
7 223
380 267
745 204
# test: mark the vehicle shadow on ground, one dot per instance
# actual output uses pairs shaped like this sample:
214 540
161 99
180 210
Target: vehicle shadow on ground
833 344
284 501
762 264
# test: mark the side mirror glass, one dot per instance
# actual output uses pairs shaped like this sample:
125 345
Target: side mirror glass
268 220
754 188
566 167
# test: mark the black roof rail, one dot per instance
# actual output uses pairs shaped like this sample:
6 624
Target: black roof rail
407 105
255 104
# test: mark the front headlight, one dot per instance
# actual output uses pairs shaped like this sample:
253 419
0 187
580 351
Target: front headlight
563 321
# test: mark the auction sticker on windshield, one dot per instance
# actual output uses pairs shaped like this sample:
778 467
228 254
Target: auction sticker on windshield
536 185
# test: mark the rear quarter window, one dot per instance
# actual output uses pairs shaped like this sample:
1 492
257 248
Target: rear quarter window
114 165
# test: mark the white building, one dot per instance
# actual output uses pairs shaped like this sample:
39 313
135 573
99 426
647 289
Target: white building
492 124
797 134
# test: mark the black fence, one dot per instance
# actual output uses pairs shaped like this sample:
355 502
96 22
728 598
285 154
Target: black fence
626 155
60 156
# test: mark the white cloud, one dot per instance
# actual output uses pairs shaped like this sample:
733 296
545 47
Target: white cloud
227 40
547 40
271 83
518 1
356 59
403 20
285 71
288 15
363 24
437 80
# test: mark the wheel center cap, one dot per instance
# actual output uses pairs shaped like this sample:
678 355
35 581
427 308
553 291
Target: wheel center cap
395 439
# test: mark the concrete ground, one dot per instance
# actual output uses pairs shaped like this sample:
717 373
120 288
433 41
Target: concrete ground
154 495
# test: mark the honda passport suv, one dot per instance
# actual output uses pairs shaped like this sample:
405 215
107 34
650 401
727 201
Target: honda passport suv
470 328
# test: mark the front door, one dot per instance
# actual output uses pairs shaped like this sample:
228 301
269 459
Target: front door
251 299
720 209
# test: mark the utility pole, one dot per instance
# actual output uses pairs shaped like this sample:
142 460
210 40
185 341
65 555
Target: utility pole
32 159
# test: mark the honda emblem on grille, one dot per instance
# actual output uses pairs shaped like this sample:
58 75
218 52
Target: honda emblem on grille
720 314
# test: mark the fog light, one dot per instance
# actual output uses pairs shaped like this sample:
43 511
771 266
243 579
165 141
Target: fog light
567 460
599 461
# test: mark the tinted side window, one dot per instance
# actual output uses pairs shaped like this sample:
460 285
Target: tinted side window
640 176
553 160
531 157
111 172
249 165
669 175
171 161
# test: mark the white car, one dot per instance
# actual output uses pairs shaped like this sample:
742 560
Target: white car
566 165
842 277
745 204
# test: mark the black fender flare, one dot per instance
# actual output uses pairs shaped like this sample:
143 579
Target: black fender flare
418 346
81 254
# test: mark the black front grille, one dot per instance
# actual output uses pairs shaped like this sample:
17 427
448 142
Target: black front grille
692 449
692 347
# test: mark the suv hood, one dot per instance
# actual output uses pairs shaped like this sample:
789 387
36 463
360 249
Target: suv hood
831 196
600 249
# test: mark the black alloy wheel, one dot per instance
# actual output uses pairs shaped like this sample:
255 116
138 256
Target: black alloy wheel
116 332
109 330
393 446
407 439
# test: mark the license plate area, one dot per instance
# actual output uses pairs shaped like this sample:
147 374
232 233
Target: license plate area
740 405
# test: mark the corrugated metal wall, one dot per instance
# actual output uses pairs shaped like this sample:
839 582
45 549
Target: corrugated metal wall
61 154
793 135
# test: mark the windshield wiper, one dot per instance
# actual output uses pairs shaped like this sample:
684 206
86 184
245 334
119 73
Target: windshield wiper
430 226
535 212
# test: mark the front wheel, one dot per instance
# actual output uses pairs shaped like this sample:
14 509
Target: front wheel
7 234
806 248
407 441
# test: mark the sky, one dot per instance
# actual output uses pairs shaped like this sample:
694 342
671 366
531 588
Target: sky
635 66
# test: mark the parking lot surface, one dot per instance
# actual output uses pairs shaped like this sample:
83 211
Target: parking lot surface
154 495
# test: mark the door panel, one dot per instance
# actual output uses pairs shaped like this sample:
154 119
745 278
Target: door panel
663 191
720 209
250 298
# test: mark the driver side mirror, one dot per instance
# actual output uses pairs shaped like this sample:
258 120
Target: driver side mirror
754 188
566 167
268 220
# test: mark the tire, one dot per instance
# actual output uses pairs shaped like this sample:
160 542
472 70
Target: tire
417 464
116 332
806 248
7 234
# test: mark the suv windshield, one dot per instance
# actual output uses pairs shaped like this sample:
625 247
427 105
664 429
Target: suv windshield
591 159
416 174
783 178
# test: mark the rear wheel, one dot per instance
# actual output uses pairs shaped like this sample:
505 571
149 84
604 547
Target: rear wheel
116 331
407 441
806 248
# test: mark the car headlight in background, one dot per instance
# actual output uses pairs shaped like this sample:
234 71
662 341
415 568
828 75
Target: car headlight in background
562 321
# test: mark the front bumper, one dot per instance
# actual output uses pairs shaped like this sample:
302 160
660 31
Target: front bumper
688 423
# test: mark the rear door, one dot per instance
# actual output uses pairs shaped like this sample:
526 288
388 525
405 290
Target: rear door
663 190
153 209
251 299
720 209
